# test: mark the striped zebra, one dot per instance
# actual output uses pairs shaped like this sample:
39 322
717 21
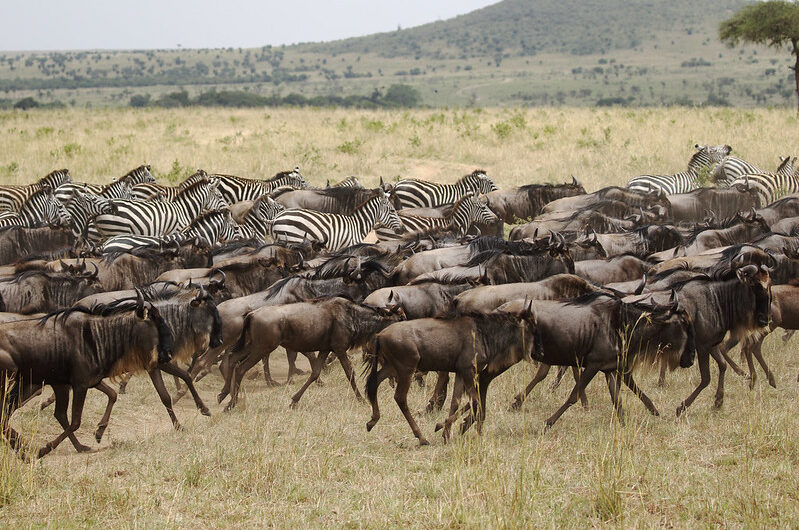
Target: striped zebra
236 189
466 211
82 209
206 229
41 208
257 221
151 218
732 167
12 196
772 186
150 190
120 188
335 231
414 193
349 182
704 159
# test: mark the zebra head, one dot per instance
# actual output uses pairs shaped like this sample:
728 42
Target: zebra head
479 182
213 199
140 175
55 178
478 211
45 208
708 156
387 215
266 208
94 205
230 229
294 179
786 166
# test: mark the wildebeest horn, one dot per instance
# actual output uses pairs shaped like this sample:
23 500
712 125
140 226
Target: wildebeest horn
92 275
640 288
746 183
141 309
753 214
575 182
222 277
64 266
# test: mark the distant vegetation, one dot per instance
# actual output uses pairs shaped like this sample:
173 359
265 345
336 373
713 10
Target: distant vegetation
513 53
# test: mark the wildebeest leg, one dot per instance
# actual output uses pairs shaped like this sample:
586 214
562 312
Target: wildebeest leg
47 402
236 376
583 397
419 378
179 373
316 369
703 360
457 392
662 378
724 349
61 403
559 377
166 399
344 359
380 375
787 335
123 382
614 386
439 396
630 382
401 398
588 375
755 348
106 389
291 356
479 405
722 369
268 373
543 370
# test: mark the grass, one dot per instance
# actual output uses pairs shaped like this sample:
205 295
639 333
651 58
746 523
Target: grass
264 464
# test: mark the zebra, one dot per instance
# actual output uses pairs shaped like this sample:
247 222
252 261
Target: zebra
236 189
82 209
414 193
466 211
12 196
772 186
149 190
41 208
150 218
206 229
732 167
257 221
335 231
120 188
349 182
704 158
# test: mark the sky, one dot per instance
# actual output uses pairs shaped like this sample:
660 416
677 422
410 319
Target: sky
142 24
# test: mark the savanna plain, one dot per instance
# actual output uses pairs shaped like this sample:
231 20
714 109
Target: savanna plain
264 464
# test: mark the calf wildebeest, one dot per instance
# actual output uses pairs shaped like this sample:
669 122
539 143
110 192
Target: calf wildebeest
600 332
483 345
576 221
41 291
335 325
640 242
526 202
722 202
74 349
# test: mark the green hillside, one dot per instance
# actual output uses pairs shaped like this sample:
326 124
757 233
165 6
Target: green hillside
515 52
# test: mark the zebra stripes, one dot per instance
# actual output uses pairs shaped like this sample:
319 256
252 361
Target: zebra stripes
335 231
732 167
38 209
236 189
207 229
349 182
12 197
685 181
121 188
464 212
82 209
151 218
413 193
772 186
150 190
257 222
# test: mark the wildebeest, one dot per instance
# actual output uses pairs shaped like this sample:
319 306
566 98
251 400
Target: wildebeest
483 345
335 325
526 202
655 201
41 291
74 349
417 301
722 202
621 268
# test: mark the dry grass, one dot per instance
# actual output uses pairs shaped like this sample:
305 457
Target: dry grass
264 464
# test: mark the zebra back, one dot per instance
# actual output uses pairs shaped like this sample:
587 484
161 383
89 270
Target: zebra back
335 231
349 182
464 213
414 193
732 167
39 209
772 186
683 182
150 190
236 189
139 175
12 196
258 221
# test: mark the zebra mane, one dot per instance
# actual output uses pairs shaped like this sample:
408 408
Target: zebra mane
203 181
135 172
53 174
475 173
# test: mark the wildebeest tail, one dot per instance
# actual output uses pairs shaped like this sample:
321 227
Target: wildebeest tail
242 342
372 361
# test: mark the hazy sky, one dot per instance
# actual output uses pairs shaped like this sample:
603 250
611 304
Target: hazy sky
89 24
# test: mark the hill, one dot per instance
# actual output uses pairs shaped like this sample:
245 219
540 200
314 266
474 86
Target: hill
515 52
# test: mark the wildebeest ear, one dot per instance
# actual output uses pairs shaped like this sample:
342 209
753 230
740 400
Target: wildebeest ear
142 311
640 288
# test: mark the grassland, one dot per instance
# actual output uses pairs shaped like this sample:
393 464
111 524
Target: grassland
264 464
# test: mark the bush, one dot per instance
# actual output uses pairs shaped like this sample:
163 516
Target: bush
26 103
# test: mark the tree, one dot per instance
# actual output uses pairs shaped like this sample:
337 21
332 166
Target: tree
402 96
773 23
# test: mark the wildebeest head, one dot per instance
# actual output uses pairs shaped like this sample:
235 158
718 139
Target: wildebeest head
147 311
203 306
759 280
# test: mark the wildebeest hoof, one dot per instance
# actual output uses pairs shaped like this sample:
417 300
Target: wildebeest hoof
220 397
516 405
271 382
293 404
718 402
423 442
178 426
439 426
43 451
771 381
655 412
85 449
230 406
205 412
319 382
370 425
680 410
98 434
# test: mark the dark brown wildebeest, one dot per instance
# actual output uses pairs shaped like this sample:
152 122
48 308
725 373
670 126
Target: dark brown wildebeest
586 248
602 333
693 207
17 242
75 349
640 242
526 202
329 200
576 221
779 210
622 268
423 300
41 291
483 345
334 325
739 229
717 263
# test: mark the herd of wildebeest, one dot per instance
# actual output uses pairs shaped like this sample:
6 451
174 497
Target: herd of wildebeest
101 282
